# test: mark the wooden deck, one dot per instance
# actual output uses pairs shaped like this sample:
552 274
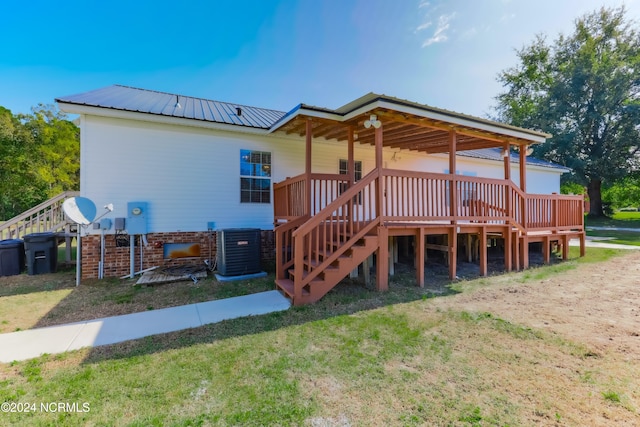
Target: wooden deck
314 252
326 225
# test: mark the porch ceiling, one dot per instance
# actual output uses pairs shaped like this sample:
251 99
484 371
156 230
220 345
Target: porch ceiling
403 131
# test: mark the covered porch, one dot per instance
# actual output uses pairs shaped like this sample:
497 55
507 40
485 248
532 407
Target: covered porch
327 224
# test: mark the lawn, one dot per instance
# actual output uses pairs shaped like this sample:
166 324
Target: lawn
358 357
619 220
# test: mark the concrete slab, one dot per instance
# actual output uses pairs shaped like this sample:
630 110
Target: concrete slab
35 342
247 305
32 343
116 329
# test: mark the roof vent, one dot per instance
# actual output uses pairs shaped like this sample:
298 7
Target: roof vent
238 111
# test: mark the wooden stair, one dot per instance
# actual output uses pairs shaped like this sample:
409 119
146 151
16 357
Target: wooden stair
327 279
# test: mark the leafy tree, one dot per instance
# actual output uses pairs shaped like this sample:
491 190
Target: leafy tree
624 193
57 144
39 158
584 89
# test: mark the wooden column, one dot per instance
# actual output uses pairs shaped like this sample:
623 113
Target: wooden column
524 248
307 166
508 242
420 250
483 251
351 173
351 163
508 250
453 206
523 168
382 258
379 165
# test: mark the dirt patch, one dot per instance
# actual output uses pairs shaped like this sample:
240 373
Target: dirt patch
596 304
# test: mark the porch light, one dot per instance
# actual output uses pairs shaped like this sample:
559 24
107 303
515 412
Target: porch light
505 153
373 121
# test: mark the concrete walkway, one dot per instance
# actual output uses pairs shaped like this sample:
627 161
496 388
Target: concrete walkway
601 242
110 330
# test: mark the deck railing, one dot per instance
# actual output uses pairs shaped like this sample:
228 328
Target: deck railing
338 213
47 216
341 223
289 195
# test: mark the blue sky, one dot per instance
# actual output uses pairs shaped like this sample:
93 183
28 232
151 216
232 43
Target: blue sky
276 54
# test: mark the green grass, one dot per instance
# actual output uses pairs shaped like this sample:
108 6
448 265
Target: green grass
357 357
619 219
619 237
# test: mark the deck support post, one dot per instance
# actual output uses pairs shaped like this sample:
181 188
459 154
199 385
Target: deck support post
483 251
382 260
546 249
366 270
507 236
453 251
420 256
524 251
564 241
515 249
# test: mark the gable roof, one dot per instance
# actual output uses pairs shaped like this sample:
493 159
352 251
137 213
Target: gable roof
125 98
372 101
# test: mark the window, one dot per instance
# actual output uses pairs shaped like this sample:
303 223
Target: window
255 176
342 168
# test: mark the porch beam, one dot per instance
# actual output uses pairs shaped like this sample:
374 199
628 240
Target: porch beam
307 166
523 168
351 164
507 177
453 188
507 161
453 206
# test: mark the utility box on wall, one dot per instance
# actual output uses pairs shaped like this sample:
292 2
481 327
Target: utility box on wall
137 217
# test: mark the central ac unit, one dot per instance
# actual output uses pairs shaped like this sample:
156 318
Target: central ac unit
238 251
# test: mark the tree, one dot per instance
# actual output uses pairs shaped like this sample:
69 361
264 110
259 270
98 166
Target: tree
584 89
57 144
39 158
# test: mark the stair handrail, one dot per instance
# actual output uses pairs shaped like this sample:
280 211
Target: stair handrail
24 220
323 215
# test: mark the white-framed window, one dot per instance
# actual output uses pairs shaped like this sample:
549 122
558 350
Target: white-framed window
255 176
343 168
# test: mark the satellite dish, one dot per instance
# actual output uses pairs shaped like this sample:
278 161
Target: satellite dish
80 210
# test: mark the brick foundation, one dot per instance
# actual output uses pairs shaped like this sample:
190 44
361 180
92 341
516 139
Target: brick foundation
117 259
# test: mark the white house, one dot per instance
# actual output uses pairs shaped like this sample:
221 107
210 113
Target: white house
195 162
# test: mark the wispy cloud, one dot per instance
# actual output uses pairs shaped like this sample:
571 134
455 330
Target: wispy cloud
440 33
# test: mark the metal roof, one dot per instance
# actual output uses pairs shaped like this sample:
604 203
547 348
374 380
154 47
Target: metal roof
127 98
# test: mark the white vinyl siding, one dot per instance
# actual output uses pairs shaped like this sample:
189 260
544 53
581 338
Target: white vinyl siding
190 176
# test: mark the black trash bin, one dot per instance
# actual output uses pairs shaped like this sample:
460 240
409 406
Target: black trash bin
41 251
11 257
